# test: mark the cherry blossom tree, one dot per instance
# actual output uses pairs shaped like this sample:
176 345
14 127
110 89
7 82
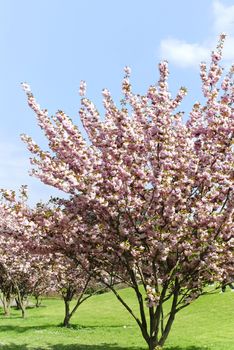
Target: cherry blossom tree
68 276
70 282
45 270
8 257
22 272
151 195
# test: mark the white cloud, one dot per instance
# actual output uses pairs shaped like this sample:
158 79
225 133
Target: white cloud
223 18
182 53
185 54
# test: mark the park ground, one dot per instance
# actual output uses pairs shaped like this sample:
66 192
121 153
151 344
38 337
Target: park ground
102 323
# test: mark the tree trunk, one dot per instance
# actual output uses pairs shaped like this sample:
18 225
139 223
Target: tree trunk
66 321
167 330
20 302
17 303
38 301
23 310
6 303
171 318
152 344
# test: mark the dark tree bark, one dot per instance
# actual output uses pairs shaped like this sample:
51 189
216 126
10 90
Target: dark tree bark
6 303
68 296
38 300
20 302
156 327
66 321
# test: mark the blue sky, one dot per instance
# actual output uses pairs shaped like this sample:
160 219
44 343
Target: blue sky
53 44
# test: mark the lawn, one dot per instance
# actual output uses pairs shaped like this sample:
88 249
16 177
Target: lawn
102 324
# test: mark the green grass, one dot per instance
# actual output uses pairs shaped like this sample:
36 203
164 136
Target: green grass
103 324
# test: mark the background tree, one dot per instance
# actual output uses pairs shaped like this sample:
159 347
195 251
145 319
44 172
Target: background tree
69 277
151 196
70 282
24 272
47 269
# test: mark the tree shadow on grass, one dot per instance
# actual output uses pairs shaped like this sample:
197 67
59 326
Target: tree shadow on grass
191 347
103 346
73 327
22 329
114 346
18 317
